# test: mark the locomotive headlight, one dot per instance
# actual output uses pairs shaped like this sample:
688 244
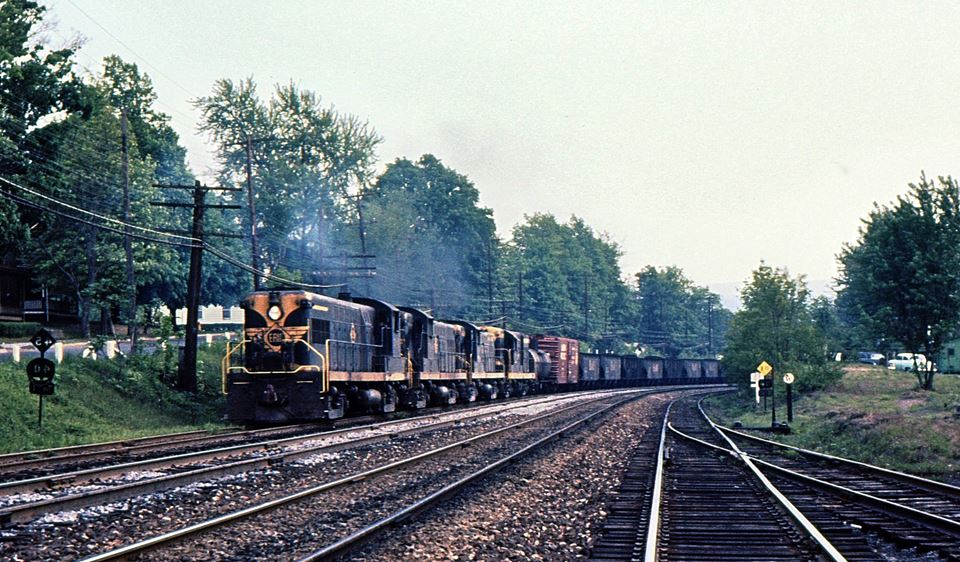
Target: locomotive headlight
274 313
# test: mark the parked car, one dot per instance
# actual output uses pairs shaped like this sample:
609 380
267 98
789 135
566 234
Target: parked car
871 358
907 362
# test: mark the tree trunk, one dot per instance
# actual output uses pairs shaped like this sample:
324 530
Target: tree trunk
90 250
84 314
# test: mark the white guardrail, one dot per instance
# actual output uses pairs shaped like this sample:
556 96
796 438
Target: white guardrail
17 352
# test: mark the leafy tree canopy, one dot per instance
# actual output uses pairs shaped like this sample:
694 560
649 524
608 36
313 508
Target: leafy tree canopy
900 280
775 325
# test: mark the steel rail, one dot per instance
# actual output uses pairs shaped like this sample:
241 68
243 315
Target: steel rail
357 539
29 511
885 506
919 481
156 443
166 538
51 480
799 518
54 453
808 527
943 524
653 528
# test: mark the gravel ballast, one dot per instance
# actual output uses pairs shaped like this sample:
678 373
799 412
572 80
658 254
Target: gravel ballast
76 534
544 508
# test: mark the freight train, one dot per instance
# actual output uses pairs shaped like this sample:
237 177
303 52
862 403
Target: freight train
305 356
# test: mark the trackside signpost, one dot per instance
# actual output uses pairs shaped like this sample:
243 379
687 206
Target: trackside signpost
765 370
40 371
788 380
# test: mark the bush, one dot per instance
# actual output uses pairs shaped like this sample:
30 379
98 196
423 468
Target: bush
18 329
817 377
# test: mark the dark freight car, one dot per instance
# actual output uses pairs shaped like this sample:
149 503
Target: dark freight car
653 370
633 370
589 367
610 366
681 371
692 370
710 369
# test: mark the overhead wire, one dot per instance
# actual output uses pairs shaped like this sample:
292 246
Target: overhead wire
22 201
134 53
194 242
96 215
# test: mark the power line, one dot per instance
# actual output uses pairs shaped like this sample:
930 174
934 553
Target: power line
90 213
134 53
206 246
20 200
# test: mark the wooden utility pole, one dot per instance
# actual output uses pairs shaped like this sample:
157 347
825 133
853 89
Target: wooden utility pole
187 373
586 308
520 295
710 328
131 306
254 249
187 368
363 234
490 278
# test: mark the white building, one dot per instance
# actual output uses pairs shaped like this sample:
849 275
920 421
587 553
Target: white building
213 315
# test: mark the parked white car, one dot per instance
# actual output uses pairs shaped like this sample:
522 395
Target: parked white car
905 362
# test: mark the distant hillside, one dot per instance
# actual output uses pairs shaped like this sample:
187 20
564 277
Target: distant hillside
730 291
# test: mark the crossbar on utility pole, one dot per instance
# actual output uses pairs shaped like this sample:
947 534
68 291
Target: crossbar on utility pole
187 368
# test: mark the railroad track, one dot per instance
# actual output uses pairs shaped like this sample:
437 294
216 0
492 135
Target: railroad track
67 491
46 461
699 501
397 490
700 497
909 511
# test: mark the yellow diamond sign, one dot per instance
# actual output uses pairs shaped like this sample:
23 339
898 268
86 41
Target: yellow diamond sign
764 368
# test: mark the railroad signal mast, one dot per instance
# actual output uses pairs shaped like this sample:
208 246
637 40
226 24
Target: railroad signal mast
41 370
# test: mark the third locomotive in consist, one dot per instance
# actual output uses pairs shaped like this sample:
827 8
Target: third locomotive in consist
307 357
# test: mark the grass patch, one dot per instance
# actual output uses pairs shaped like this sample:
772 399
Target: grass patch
872 415
109 400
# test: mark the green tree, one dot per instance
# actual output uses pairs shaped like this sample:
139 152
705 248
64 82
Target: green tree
570 279
900 279
301 159
434 243
94 274
775 325
674 316
35 82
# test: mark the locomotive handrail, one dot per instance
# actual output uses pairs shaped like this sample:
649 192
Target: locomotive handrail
227 368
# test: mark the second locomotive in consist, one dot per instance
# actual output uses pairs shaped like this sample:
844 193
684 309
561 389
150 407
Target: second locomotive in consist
307 357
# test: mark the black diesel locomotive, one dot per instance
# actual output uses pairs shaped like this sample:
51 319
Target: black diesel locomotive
305 356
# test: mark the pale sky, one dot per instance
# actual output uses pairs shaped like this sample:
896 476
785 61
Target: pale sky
707 135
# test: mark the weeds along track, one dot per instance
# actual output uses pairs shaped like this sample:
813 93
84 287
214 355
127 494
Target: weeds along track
203 493
330 498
